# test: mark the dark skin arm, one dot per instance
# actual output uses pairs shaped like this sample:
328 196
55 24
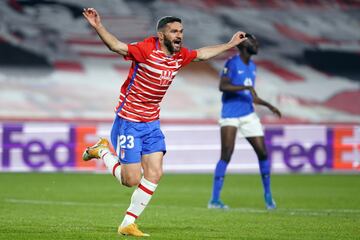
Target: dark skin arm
227 86
272 108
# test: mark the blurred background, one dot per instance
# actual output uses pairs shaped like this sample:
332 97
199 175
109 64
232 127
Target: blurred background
59 83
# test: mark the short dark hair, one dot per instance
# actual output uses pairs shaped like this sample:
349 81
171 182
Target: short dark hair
165 20
247 35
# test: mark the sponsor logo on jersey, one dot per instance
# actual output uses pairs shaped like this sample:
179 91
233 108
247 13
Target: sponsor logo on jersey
248 82
166 77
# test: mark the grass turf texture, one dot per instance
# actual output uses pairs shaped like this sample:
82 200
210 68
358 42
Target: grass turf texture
90 206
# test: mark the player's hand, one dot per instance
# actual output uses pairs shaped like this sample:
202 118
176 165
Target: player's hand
238 38
92 17
275 111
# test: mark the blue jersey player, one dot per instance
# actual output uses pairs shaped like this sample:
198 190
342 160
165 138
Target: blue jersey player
237 84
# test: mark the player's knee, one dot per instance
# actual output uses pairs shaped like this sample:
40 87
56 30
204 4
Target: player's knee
155 178
131 181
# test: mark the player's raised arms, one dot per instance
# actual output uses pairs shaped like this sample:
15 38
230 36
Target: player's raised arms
114 44
208 52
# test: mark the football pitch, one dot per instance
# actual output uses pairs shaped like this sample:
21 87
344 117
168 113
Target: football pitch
91 206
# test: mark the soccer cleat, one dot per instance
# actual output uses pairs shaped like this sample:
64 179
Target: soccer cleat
217 205
269 202
94 151
132 230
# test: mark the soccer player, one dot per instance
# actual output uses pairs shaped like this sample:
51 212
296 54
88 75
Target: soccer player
136 134
237 84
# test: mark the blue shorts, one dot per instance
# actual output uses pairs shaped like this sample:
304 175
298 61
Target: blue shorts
131 140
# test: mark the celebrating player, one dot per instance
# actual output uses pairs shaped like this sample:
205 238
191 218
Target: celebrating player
237 84
136 133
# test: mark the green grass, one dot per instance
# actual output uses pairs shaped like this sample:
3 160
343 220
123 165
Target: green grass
90 206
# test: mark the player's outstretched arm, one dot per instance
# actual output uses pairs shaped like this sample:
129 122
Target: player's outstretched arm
208 52
93 17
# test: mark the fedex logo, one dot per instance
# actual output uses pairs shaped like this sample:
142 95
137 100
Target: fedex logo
60 147
39 148
321 148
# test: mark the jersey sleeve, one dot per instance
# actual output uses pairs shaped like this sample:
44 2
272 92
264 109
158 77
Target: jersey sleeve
228 70
188 56
137 52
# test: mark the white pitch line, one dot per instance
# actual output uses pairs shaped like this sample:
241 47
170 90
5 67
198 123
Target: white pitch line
64 203
292 211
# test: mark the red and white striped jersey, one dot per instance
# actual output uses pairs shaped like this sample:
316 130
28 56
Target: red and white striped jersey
150 75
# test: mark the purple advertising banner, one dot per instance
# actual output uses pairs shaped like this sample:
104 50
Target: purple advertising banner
190 148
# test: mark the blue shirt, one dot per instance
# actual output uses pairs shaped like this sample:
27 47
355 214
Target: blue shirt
238 104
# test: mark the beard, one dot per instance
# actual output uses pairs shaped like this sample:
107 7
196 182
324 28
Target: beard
168 45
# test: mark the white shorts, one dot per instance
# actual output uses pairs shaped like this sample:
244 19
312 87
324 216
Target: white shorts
248 125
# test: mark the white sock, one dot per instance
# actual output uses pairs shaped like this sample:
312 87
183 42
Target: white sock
112 163
139 200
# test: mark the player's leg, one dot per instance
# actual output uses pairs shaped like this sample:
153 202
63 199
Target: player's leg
126 138
253 131
101 151
152 166
131 176
153 149
228 136
258 145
